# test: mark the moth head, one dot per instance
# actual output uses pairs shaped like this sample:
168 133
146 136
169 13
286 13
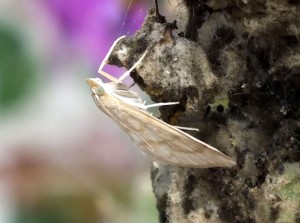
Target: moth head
96 85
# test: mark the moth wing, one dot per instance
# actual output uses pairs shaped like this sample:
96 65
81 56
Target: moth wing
126 94
165 143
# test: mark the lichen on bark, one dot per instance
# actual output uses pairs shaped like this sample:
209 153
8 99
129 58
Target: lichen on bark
235 69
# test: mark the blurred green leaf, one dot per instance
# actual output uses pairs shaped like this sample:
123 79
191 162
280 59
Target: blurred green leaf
59 209
16 69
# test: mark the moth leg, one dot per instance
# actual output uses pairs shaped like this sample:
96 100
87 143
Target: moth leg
186 128
155 164
161 104
130 86
104 62
127 73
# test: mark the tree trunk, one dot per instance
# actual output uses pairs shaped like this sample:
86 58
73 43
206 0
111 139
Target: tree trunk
235 69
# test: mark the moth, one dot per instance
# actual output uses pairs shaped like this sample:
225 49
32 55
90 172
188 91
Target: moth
162 142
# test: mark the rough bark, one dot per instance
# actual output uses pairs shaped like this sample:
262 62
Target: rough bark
235 70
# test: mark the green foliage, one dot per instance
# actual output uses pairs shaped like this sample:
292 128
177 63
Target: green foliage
57 209
16 69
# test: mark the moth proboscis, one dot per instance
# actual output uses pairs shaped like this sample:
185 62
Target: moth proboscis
162 142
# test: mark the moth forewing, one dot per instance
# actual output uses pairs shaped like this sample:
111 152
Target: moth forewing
159 140
167 144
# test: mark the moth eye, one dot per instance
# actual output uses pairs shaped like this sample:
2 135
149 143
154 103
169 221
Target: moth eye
99 90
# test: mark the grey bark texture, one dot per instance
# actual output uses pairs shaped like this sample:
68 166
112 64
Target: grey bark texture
235 69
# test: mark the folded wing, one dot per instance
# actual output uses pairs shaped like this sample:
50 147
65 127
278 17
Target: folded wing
163 142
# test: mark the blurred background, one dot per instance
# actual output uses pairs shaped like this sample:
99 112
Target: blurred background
61 159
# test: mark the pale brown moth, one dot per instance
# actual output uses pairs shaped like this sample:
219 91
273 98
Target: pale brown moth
162 142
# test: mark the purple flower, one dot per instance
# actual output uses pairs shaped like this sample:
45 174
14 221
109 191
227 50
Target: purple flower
90 26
